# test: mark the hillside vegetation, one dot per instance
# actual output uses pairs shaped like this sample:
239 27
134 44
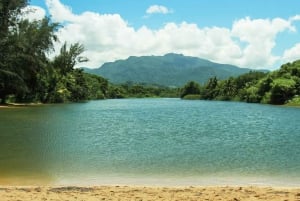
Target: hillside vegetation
278 87
172 70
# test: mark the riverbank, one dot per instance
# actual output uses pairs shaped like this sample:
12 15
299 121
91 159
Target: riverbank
16 105
148 193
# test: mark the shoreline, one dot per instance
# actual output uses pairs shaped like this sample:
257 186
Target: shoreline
19 105
152 181
123 192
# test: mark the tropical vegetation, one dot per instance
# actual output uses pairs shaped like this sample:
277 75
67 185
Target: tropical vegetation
278 87
26 73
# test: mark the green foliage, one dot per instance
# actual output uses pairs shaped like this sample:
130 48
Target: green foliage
251 95
23 49
10 82
294 101
116 92
266 99
210 90
97 87
264 85
9 12
277 87
191 88
26 74
282 90
68 58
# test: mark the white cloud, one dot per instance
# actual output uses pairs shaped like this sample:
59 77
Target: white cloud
33 13
60 12
295 18
260 37
158 9
108 37
292 54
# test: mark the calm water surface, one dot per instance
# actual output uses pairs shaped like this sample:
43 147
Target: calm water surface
150 141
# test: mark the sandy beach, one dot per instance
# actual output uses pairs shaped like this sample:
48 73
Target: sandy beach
148 193
14 105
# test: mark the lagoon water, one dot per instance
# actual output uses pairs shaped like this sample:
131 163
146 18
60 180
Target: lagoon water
150 141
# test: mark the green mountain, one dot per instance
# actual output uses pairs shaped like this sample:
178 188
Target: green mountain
168 70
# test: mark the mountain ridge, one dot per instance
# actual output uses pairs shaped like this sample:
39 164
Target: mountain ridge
168 70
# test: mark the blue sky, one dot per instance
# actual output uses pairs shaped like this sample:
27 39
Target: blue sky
254 34
202 12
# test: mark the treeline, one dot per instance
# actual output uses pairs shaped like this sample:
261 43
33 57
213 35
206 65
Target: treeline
28 75
278 87
141 90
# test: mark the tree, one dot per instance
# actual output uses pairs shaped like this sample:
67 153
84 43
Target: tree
68 58
97 86
191 88
9 11
31 43
10 81
72 84
282 90
251 95
25 70
248 79
264 85
228 89
116 92
210 89
23 49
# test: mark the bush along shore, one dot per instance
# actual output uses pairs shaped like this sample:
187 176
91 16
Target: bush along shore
278 87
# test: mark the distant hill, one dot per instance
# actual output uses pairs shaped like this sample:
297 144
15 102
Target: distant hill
168 70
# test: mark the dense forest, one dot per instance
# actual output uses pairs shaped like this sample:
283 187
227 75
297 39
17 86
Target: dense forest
28 75
278 87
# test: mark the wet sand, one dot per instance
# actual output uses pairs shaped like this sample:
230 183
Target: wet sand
148 193
19 105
